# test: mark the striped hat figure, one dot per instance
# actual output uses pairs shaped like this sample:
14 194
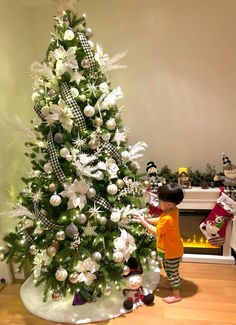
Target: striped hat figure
226 161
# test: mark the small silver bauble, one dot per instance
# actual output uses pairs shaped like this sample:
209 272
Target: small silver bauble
99 175
107 291
33 250
51 251
61 274
134 166
98 121
117 257
59 138
111 124
52 187
112 189
55 200
81 218
102 220
88 32
74 277
106 136
64 152
126 270
71 230
91 193
92 144
89 111
60 235
48 168
97 256
120 183
85 63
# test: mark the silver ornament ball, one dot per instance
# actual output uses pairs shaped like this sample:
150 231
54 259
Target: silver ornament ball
91 193
74 277
60 235
88 32
81 218
33 250
126 270
59 138
71 230
97 256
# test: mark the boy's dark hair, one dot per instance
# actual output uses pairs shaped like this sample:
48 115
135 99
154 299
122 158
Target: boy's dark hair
171 192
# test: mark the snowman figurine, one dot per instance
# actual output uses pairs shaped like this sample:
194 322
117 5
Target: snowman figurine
134 292
229 178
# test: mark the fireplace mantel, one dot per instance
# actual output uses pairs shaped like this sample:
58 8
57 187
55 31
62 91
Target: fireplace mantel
205 199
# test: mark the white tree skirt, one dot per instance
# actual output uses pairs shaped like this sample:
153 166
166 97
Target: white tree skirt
104 308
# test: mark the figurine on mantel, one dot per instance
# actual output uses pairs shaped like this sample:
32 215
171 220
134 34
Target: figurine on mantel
229 178
184 180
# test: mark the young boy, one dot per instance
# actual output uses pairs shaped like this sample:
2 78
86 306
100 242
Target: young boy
169 243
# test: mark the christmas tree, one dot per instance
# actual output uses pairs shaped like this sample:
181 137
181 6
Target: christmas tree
75 227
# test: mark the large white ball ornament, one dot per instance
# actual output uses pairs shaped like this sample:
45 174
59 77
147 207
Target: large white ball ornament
117 257
69 35
112 189
106 136
99 175
74 92
115 216
55 200
89 111
61 274
48 168
64 152
111 124
91 193
97 256
125 155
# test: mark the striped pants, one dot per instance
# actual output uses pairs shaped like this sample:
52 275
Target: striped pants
171 267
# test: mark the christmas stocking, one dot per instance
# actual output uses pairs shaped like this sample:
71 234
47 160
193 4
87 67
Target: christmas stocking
214 226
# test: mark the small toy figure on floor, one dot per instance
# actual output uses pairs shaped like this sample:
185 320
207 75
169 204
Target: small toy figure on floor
134 291
229 178
153 182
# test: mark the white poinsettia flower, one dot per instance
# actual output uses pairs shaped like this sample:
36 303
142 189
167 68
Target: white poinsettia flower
125 244
76 194
87 268
112 168
112 98
40 259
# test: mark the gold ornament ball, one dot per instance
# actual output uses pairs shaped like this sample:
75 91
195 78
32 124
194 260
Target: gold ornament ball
146 183
56 296
98 121
52 187
51 251
92 144
74 277
120 183
61 274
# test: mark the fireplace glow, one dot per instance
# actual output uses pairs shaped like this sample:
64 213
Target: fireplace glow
202 242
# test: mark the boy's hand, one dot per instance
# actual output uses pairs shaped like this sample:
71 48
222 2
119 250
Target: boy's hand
141 218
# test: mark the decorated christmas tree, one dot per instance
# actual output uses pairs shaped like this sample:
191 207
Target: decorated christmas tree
75 225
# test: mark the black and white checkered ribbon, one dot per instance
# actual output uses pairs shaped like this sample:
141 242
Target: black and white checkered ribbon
27 236
37 109
113 152
44 221
78 115
54 159
89 54
102 202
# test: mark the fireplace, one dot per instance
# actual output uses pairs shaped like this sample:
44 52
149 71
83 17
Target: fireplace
196 205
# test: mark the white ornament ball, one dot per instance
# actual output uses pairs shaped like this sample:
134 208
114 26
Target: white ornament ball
48 168
89 111
99 175
60 235
117 257
111 124
74 277
33 250
126 270
120 183
64 152
81 218
55 200
61 274
107 291
51 251
115 216
69 35
97 256
103 220
103 87
98 121
91 193
112 189
106 136
125 155
74 92
88 32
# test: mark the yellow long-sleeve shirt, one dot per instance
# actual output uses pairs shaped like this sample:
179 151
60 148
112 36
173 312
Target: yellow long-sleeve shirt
169 242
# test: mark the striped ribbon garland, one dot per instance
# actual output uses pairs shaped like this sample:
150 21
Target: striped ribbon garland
89 54
102 202
44 221
113 152
37 109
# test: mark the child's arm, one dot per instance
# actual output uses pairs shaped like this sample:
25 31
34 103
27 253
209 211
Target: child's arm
143 221
153 221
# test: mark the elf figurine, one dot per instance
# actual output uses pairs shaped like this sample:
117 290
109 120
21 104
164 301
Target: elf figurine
153 182
229 178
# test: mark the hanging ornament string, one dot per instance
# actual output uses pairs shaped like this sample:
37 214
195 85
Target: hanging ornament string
113 152
102 202
54 159
37 109
45 222
79 118
89 54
